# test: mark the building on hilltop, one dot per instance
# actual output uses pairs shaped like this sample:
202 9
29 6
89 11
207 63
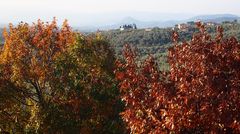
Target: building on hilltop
192 24
182 26
211 23
127 27
148 29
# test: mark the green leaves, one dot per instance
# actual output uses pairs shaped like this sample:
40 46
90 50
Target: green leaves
88 85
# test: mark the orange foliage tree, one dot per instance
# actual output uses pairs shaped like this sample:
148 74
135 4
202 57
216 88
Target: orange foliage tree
27 60
200 93
54 80
29 53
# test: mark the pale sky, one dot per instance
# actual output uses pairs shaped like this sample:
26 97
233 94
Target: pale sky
86 12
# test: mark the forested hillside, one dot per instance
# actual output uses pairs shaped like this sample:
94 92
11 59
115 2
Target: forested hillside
155 40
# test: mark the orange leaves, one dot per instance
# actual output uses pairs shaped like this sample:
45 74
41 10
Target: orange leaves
28 57
41 42
67 75
139 86
200 91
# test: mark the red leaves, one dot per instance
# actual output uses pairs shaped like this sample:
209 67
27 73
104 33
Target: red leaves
139 86
219 33
119 75
175 36
199 94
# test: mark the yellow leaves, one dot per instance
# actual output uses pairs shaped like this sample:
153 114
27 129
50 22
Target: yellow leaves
5 55
139 113
99 36
5 33
16 72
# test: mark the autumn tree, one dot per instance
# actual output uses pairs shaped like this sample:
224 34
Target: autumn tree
145 91
54 80
199 94
27 59
89 96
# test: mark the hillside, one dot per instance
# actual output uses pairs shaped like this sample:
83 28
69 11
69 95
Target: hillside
218 18
155 40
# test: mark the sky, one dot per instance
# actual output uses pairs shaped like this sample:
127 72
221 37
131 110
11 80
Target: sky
90 12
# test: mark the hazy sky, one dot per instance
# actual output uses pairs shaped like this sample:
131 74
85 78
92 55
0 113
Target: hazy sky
88 12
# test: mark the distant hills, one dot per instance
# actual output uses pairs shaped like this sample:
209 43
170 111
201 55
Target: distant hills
160 20
218 18
145 24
